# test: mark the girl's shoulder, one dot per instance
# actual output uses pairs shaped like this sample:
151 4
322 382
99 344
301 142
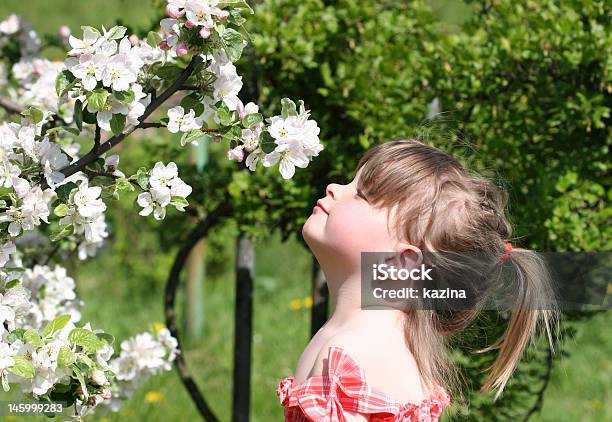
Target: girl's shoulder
342 388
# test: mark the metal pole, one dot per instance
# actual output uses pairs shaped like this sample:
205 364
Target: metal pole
243 328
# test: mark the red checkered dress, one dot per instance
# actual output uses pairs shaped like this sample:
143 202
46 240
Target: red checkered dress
325 398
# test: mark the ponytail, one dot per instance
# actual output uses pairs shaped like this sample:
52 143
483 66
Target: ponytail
534 303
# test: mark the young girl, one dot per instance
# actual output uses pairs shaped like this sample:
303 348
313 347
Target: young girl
392 364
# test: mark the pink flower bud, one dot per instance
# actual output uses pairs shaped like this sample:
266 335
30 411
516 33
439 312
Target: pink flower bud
240 109
106 394
174 12
236 153
217 138
133 39
64 31
164 45
204 32
182 49
223 14
99 377
189 24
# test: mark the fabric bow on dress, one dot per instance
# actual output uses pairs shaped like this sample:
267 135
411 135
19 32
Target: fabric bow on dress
343 388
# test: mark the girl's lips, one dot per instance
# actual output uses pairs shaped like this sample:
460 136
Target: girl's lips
319 208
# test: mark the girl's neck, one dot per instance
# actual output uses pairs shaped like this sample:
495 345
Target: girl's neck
345 295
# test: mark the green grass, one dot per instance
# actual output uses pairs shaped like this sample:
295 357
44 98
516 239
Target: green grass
581 385
279 279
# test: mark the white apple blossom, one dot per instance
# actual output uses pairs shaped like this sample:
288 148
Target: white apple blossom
87 200
53 159
290 155
90 69
6 250
112 106
8 171
178 121
10 25
91 40
250 138
236 153
165 188
254 158
154 201
53 293
228 84
27 213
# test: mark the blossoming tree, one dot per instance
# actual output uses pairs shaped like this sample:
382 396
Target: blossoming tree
110 85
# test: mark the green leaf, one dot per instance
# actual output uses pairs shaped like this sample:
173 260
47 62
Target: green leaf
22 367
232 44
65 357
61 129
56 325
153 38
12 283
142 178
116 32
236 17
193 136
63 191
86 339
78 114
267 142
190 101
64 81
179 201
89 117
5 385
97 98
16 334
105 337
85 359
123 185
168 71
31 336
252 119
77 372
288 108
33 114
236 4
226 117
61 232
124 96
61 210
117 123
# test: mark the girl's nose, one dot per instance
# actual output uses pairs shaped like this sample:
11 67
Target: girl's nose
332 190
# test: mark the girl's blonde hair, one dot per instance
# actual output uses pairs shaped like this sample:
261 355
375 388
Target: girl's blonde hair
439 207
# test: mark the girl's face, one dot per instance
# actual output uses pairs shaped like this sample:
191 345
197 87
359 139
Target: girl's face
343 225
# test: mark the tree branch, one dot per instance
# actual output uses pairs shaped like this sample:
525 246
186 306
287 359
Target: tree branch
91 156
10 106
150 125
97 138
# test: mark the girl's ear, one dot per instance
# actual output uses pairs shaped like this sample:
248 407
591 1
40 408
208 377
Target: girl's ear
408 256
